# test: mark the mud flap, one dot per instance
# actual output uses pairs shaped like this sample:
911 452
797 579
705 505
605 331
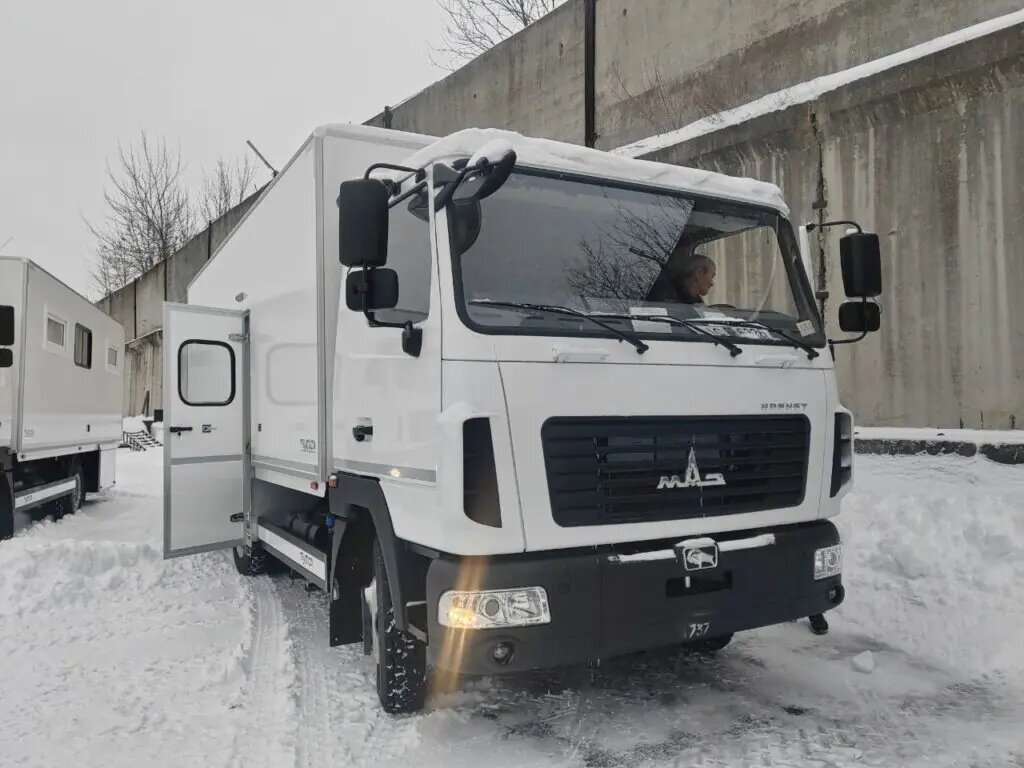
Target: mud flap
346 609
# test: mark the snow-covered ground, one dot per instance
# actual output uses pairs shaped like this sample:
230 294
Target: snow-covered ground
112 657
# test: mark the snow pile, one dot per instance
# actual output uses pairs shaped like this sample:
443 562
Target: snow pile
805 92
939 435
113 657
133 424
575 159
934 559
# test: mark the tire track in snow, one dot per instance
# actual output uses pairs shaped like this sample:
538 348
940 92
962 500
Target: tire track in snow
267 736
340 721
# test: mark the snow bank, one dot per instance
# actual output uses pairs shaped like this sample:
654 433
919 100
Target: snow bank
813 89
939 435
113 657
934 559
575 159
1003 446
133 424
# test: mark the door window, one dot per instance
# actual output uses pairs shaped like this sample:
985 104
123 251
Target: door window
206 373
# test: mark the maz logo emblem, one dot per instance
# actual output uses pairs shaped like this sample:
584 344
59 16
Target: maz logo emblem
692 478
308 446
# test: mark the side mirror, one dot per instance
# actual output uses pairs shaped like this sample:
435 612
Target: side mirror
6 326
861 260
6 358
363 223
379 288
859 317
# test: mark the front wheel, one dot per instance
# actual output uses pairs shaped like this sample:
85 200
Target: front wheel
400 658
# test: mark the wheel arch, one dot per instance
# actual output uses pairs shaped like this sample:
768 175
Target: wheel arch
360 502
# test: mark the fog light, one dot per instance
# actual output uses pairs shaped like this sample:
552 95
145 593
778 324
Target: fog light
502 653
488 609
828 562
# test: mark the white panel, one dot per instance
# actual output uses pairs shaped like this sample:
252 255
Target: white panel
204 498
537 392
108 467
65 404
205 472
269 263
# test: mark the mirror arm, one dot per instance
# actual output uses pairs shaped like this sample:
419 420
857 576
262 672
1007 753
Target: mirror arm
813 226
408 193
445 195
390 167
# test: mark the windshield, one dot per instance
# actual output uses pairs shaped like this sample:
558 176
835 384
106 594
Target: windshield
627 256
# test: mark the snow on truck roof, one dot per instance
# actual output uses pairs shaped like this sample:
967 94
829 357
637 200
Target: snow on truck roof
593 162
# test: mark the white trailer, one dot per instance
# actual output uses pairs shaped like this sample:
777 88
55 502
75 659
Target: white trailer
60 395
476 390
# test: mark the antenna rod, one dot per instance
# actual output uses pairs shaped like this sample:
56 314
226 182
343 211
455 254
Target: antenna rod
6 242
259 154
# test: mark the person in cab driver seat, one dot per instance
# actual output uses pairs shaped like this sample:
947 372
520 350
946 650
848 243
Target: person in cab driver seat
693 278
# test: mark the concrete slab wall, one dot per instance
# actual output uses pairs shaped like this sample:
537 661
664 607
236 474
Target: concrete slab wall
931 156
661 64
149 299
532 83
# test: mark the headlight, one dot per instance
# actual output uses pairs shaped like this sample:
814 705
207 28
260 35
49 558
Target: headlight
828 562
492 609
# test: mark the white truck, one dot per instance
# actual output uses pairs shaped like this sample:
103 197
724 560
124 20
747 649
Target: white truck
513 403
60 396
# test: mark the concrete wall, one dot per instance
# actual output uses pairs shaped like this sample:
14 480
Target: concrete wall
532 83
139 307
930 156
661 64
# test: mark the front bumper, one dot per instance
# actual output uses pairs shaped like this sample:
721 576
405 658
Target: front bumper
601 608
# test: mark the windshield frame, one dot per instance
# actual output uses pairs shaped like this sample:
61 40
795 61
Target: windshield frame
789 252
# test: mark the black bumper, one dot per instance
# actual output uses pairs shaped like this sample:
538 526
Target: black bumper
601 608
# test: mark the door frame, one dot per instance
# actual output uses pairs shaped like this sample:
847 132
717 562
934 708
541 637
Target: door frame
170 394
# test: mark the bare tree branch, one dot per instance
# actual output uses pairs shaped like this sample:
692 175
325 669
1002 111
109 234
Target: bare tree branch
149 214
473 27
225 187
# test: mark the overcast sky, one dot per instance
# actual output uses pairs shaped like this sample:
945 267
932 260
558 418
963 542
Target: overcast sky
75 77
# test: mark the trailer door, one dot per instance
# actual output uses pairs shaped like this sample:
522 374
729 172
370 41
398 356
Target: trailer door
206 417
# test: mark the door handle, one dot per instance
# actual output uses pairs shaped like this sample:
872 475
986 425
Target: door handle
362 431
178 430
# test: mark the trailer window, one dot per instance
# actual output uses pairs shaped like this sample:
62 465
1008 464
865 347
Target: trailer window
55 333
112 359
206 373
83 346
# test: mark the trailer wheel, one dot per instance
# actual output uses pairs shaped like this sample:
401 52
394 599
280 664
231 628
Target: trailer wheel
77 498
6 509
401 658
710 646
250 561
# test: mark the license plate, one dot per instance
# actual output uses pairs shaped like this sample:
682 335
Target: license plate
697 631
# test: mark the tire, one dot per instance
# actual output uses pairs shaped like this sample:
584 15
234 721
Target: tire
250 561
401 659
6 509
77 498
710 646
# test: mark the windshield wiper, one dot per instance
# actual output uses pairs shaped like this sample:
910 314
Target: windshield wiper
811 351
734 350
622 335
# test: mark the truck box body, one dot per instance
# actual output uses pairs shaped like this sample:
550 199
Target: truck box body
280 263
49 403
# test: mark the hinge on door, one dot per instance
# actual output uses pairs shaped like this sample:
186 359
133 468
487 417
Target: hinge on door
238 337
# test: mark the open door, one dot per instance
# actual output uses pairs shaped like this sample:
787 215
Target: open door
206 428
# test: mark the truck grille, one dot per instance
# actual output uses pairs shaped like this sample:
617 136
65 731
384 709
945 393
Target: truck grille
606 471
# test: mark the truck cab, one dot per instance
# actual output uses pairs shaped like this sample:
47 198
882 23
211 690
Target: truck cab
582 405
